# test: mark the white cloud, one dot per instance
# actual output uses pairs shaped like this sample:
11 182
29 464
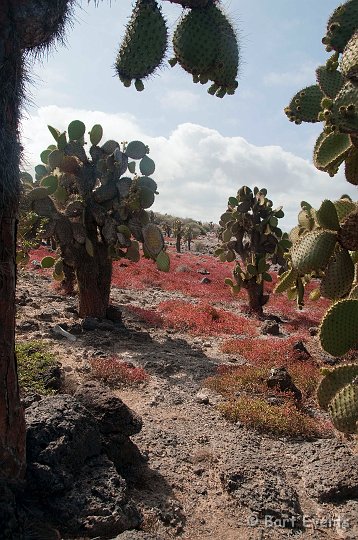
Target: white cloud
197 168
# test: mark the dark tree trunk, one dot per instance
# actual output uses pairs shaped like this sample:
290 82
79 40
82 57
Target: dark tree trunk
177 244
257 299
94 282
189 245
12 423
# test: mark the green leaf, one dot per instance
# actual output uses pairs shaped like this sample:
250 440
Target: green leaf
44 156
233 201
41 170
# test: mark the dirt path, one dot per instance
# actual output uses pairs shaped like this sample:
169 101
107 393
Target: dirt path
204 478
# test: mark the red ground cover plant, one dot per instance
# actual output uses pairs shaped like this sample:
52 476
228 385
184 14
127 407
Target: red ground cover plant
198 319
113 370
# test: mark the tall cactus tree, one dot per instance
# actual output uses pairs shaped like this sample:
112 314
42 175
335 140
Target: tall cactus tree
28 27
250 236
94 212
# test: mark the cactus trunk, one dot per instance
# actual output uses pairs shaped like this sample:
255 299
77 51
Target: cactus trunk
94 283
12 424
256 296
177 244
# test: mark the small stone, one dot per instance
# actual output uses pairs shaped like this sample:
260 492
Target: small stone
313 330
202 397
270 327
205 281
89 324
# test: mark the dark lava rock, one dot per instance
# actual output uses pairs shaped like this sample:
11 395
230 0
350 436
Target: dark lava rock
313 330
9 518
301 351
61 435
52 377
89 324
280 379
28 326
111 414
332 474
264 490
270 327
205 280
29 399
114 314
77 487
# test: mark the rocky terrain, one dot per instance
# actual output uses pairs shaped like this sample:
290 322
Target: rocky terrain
181 470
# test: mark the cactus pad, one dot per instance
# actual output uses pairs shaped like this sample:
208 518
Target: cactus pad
153 240
286 281
136 150
313 251
351 167
344 112
144 44
338 276
343 408
163 261
333 381
348 234
327 216
305 105
349 62
330 81
339 327
341 26
146 166
330 151
344 207
76 130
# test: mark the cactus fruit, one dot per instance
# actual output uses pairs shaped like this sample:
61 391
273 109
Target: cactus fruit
348 233
313 251
144 44
341 26
338 329
205 45
338 276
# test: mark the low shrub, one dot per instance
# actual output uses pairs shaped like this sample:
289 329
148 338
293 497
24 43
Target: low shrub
113 370
36 367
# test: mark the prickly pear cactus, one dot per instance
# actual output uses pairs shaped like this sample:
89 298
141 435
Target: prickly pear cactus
324 248
178 231
333 100
94 204
206 46
338 395
251 238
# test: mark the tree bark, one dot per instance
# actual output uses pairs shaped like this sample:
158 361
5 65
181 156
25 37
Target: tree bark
94 282
12 423
256 296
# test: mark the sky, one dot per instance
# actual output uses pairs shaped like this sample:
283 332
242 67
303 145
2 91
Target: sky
205 148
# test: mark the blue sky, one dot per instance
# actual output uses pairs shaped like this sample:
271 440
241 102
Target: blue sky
205 148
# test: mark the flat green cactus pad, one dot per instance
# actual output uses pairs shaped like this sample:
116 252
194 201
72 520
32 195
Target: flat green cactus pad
339 327
344 207
341 25
163 261
76 130
327 216
343 409
338 276
313 251
333 381
305 105
351 167
286 281
144 44
153 240
348 234
330 151
349 62
330 81
136 150
344 112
